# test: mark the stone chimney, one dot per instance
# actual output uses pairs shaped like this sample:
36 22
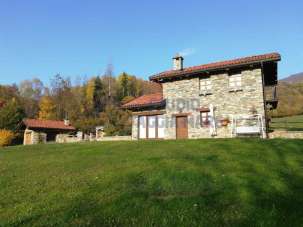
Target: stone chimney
178 62
66 122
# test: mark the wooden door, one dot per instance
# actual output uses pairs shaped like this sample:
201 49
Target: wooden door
28 138
181 127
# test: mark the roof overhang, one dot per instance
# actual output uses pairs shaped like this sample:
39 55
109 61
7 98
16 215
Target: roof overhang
160 104
207 69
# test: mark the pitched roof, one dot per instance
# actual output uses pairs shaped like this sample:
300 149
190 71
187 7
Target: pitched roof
217 66
47 124
145 101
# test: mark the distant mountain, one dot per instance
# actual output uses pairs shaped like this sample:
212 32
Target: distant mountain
293 79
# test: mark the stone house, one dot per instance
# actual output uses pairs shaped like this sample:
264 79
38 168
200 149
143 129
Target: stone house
42 131
217 100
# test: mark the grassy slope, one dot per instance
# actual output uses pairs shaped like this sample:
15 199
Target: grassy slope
182 183
293 123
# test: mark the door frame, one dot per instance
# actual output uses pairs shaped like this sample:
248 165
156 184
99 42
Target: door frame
146 127
181 116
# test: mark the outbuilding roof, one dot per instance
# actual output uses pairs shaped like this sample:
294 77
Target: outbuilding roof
47 124
145 101
216 66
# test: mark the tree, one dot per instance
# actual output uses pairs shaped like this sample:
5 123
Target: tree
47 108
116 121
89 95
61 92
124 84
31 92
31 89
98 96
110 85
11 114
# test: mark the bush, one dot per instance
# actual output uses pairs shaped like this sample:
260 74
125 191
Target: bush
6 137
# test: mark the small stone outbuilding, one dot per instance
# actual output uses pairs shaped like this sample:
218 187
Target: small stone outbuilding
42 131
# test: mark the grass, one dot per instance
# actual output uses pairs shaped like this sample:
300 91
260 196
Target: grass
293 123
236 182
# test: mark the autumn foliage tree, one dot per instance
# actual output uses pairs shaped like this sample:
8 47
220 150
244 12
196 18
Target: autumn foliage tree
47 108
89 103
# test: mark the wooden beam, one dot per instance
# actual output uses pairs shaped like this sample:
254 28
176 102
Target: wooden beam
181 114
149 113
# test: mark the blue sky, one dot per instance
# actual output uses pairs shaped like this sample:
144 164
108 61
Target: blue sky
79 38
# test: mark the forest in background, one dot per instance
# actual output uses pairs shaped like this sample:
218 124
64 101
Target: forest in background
86 102
96 101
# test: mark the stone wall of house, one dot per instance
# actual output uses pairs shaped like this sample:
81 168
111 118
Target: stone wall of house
183 96
38 137
134 127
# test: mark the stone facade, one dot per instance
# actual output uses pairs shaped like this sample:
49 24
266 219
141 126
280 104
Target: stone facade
183 96
33 137
226 102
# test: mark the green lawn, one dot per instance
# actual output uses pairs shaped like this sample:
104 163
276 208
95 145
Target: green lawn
248 182
293 123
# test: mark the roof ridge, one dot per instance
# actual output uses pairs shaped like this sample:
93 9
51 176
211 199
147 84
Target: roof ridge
219 64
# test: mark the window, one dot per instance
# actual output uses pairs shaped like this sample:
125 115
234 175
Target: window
142 127
161 126
205 86
235 82
151 127
205 119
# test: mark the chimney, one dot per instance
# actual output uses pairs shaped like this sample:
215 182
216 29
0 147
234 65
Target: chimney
178 62
66 122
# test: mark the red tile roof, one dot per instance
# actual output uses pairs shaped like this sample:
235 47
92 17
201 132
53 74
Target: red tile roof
217 66
47 124
145 101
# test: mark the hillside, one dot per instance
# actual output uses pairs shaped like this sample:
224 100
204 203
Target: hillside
290 98
295 78
234 182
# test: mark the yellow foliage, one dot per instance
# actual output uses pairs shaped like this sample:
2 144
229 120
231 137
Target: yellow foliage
47 108
6 137
90 88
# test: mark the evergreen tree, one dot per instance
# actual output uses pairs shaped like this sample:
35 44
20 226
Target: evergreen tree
98 96
124 84
11 114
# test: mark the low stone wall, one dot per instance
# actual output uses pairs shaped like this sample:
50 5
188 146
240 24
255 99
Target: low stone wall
115 138
286 134
65 138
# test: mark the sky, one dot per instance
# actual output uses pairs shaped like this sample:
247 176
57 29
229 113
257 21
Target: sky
79 38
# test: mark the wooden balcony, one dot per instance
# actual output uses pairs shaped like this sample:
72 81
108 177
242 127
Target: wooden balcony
271 97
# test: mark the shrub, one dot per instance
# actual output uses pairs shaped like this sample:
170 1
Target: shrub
6 137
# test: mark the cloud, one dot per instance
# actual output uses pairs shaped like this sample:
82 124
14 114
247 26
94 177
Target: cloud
187 52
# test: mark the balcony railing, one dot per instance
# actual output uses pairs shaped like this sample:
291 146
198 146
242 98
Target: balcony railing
271 93
271 96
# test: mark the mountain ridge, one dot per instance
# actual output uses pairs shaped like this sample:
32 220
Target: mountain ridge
293 79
